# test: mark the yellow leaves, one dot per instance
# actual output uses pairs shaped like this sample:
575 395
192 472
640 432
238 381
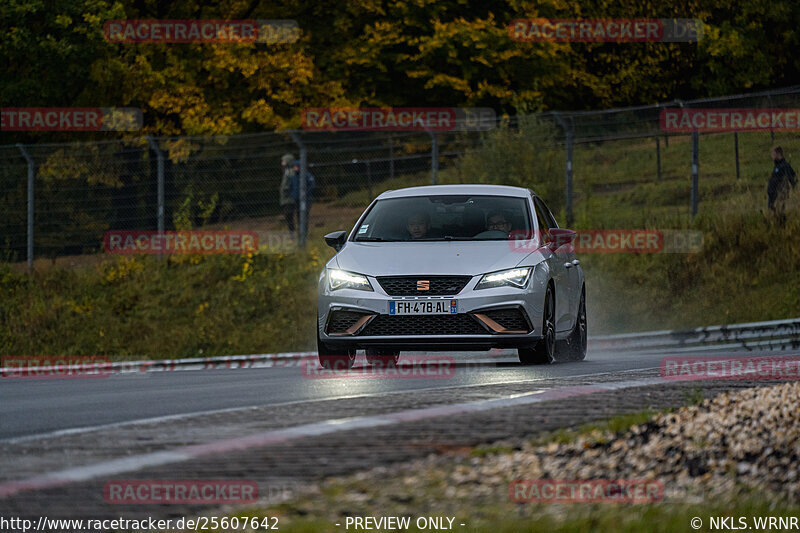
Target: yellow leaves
717 43
445 80
175 101
260 112
487 89
179 149
63 20
79 309
247 269
382 29
90 165
92 19
374 7
314 259
201 308
196 115
482 60
122 269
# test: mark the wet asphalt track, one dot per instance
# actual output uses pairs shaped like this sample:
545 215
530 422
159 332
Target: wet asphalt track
31 407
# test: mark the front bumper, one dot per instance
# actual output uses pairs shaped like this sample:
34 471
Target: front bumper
503 317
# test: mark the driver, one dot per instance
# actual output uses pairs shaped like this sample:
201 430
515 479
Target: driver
418 225
497 221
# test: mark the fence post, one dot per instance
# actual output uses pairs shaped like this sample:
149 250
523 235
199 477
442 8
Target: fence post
658 157
568 127
695 164
31 169
736 151
391 157
160 176
771 131
434 157
369 181
302 222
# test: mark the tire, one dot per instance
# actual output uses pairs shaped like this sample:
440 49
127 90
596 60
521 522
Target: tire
544 352
335 359
574 347
382 358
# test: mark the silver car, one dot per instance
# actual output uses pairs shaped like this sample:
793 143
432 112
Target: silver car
452 267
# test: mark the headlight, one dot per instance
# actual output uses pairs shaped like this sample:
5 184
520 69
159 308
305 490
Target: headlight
341 279
515 277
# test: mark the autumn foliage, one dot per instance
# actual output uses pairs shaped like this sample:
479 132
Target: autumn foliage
381 53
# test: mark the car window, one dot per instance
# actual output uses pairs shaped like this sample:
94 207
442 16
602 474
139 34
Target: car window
445 217
541 222
544 212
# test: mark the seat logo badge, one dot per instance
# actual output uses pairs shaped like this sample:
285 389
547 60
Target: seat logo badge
423 285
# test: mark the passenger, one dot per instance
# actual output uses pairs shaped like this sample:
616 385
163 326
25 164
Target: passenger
497 221
418 225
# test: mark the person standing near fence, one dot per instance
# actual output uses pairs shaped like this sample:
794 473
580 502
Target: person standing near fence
294 190
778 187
287 203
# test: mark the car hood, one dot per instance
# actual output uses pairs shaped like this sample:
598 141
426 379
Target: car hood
442 257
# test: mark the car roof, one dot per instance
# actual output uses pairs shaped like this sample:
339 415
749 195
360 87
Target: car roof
432 190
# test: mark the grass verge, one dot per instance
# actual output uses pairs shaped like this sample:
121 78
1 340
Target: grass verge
183 306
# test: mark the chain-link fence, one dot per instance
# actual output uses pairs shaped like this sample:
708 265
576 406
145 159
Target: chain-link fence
654 146
59 199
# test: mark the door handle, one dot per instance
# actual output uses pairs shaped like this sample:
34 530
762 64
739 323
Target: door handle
576 262
568 265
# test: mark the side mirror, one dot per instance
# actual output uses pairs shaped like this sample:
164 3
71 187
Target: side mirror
560 237
336 239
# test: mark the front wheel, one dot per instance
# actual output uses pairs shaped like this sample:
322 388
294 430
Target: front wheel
335 359
575 345
544 352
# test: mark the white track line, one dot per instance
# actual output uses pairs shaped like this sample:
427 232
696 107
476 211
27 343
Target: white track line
185 453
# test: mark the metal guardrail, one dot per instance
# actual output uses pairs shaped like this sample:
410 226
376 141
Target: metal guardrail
769 335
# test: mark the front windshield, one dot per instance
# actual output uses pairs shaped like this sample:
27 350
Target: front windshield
445 217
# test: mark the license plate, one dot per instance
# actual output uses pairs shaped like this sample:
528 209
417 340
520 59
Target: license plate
423 307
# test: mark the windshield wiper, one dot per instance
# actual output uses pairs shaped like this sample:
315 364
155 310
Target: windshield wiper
440 239
374 239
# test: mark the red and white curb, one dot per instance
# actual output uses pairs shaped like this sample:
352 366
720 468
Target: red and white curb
187 453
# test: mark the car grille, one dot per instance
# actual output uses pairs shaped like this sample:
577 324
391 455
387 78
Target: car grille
439 285
341 321
510 319
460 324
